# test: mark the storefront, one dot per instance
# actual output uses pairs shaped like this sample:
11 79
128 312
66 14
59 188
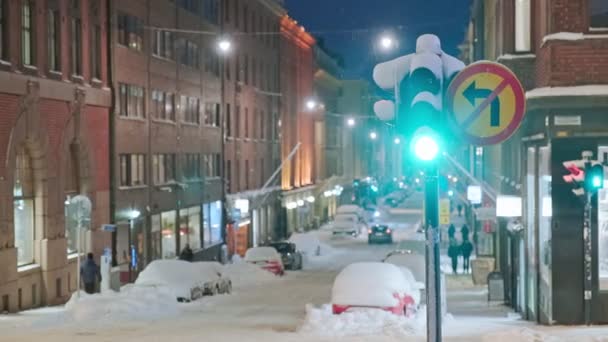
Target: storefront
299 205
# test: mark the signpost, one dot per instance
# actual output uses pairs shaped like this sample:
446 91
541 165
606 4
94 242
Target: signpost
486 103
444 211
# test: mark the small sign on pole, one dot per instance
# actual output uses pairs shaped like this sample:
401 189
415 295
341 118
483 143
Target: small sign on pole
444 211
474 194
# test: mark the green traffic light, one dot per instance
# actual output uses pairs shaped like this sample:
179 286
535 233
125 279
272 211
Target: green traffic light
597 181
426 148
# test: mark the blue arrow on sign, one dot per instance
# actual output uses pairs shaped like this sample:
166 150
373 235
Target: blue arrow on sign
473 93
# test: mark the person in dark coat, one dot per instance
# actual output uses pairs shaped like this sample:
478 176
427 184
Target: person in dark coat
186 254
90 274
459 210
464 231
453 253
451 232
467 249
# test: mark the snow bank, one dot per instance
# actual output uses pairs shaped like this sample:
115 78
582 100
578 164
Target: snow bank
366 322
257 254
132 303
244 275
520 335
370 284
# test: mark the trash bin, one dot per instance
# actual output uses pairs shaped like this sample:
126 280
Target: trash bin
481 268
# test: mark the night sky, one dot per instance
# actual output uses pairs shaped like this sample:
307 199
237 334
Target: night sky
327 18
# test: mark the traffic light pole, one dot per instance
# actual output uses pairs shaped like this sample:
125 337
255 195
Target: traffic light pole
587 258
433 271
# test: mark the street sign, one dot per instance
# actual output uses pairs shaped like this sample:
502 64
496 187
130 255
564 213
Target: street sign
444 211
474 194
486 103
108 227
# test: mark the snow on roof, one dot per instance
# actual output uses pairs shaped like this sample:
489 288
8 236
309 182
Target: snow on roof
573 36
369 284
385 110
262 254
516 56
584 90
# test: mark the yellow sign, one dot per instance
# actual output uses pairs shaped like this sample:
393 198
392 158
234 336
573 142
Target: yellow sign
444 211
486 103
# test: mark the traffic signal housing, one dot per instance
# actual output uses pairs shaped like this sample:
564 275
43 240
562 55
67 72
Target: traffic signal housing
594 177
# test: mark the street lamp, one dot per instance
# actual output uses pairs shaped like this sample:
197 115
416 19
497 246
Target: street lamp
311 104
224 45
387 42
397 141
350 122
373 135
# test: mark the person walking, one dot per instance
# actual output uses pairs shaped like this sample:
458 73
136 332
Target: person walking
467 248
90 274
459 210
451 232
464 231
186 254
453 253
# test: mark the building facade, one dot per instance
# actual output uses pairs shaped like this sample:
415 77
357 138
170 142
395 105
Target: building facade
166 136
54 125
559 50
252 120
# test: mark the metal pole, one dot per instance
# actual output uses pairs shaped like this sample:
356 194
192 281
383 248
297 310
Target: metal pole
78 258
587 257
433 271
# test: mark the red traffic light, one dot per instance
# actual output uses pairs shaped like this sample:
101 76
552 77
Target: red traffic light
576 174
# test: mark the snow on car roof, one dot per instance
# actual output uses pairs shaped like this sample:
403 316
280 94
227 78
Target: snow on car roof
180 276
261 254
369 284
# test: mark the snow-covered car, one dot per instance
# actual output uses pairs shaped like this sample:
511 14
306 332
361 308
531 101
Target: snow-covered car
373 285
187 281
416 263
267 258
222 285
291 257
346 224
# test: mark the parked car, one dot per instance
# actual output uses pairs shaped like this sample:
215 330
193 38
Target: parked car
379 233
373 285
187 280
348 224
290 256
267 258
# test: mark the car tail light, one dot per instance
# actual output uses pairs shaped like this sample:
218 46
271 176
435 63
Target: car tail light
388 230
369 231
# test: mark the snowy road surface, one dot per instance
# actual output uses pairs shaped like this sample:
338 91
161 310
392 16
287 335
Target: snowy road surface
294 308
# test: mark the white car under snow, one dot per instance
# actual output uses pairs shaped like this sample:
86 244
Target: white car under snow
348 224
374 285
188 281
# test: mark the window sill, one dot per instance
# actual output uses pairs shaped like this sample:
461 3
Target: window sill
167 122
30 70
77 79
212 179
96 82
191 124
27 269
73 255
598 29
164 59
134 187
55 75
131 118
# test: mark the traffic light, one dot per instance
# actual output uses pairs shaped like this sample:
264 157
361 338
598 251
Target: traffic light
594 177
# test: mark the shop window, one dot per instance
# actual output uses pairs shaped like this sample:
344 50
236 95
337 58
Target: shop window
190 228
599 14
531 228
212 215
522 25
156 238
544 229
23 201
71 189
602 222
168 243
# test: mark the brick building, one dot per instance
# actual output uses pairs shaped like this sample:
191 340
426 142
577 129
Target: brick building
252 119
54 124
167 190
559 49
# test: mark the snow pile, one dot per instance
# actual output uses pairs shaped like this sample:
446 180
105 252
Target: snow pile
244 275
132 303
520 335
258 254
364 322
177 276
371 284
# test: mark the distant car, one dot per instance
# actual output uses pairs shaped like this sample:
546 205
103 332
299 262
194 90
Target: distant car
291 257
187 280
266 258
351 209
348 224
380 233
373 285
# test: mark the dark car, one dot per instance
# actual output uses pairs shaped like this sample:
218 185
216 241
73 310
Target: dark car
291 257
380 233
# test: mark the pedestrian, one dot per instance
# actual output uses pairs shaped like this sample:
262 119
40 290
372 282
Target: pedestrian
186 254
466 248
459 210
90 274
451 232
464 231
453 253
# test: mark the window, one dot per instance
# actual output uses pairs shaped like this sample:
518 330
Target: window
162 44
226 10
212 165
27 33
262 169
130 31
132 170
522 25
228 124
192 166
228 176
262 127
237 70
237 122
95 47
212 64
190 5
76 36
247 171
212 215
246 122
227 65
212 114
163 168
245 19
190 109
246 69
188 53
4 29
163 105
24 210
131 100
54 37
237 17
599 13
211 11
190 228
167 230
254 72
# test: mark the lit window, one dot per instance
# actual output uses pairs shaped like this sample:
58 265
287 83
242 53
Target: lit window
23 201
27 32
522 25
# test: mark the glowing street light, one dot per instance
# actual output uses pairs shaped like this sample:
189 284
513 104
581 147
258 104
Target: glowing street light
224 45
387 42
311 104
350 122
397 141
373 135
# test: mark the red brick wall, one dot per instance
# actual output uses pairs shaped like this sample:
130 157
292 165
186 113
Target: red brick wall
8 114
569 16
97 122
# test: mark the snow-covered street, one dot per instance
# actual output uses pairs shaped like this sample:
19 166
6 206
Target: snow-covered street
292 308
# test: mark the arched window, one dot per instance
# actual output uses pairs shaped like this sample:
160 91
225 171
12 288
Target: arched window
71 189
23 200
